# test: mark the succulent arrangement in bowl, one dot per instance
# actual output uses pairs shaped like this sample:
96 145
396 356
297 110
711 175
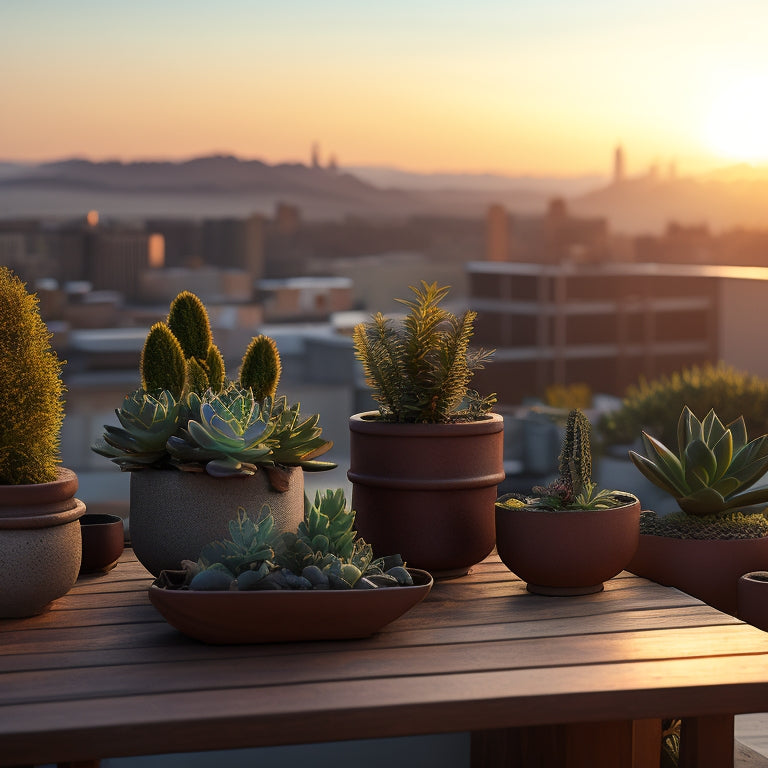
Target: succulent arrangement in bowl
188 415
323 553
317 582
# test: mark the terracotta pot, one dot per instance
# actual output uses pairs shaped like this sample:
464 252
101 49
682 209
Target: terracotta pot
103 541
427 491
286 615
707 569
174 514
752 594
40 546
569 552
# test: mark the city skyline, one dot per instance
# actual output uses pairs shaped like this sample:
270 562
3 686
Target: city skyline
494 87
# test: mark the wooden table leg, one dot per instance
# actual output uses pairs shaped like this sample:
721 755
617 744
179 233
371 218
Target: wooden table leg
706 742
621 744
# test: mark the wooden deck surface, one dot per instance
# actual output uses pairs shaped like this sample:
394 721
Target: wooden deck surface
101 674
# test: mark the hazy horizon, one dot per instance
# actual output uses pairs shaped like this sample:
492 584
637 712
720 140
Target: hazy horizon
515 88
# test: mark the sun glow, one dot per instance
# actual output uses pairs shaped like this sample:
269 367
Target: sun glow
737 125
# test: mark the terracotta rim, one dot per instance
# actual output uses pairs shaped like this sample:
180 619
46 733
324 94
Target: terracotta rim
65 487
367 423
46 520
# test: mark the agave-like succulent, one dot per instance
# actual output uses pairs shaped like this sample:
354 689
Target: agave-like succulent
713 468
148 420
230 433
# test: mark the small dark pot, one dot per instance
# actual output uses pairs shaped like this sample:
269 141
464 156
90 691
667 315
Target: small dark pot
568 552
103 542
753 599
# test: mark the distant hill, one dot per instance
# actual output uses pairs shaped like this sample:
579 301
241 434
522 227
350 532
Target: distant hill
223 185
648 205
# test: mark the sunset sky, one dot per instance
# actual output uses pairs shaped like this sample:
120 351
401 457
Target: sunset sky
543 87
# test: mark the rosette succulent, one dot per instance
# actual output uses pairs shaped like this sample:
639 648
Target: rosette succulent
230 433
148 421
713 468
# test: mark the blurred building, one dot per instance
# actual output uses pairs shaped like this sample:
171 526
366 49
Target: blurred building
606 325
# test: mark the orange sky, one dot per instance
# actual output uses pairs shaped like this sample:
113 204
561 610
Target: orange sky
507 86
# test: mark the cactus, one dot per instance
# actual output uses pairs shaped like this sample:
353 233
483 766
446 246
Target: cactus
162 361
188 320
575 460
31 409
216 372
261 367
573 488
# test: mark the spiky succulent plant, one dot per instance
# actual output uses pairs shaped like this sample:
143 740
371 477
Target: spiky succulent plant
230 433
713 468
148 420
419 371
261 367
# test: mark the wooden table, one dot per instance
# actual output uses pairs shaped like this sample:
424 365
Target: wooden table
537 680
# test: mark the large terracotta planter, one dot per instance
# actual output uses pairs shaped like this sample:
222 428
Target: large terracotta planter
40 546
427 491
174 514
707 569
568 552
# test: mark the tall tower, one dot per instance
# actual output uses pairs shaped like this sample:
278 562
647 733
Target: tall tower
618 165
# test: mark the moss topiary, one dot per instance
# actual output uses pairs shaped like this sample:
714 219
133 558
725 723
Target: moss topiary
31 409
679 525
261 367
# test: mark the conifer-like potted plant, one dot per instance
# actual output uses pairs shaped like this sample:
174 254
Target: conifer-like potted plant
425 466
40 544
200 445
568 537
721 530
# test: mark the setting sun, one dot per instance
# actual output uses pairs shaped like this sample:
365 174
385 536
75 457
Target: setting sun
737 124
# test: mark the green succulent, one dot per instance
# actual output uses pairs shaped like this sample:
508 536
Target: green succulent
249 546
31 407
419 370
323 553
326 539
148 421
189 323
162 362
713 468
230 434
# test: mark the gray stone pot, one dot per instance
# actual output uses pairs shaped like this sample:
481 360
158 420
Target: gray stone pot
174 514
40 544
